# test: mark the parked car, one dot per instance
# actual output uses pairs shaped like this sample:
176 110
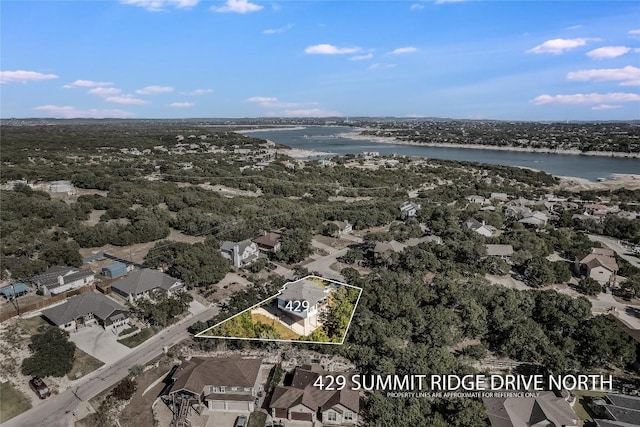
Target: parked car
241 421
39 387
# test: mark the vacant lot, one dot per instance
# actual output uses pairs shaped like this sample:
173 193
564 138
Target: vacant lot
283 331
12 403
83 364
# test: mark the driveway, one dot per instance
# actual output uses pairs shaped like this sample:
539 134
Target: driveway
196 308
101 344
223 419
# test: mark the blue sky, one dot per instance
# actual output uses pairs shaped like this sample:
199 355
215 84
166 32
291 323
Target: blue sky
513 60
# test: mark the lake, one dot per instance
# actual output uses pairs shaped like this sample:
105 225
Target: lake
325 138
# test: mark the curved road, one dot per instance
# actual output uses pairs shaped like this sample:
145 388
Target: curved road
57 411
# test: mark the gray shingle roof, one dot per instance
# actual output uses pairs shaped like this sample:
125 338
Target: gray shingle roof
69 274
193 375
144 280
81 305
228 246
303 290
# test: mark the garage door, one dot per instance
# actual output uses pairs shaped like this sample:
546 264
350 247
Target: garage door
238 406
280 413
301 416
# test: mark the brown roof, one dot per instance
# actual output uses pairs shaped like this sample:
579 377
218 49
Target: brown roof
546 409
193 375
602 251
302 391
268 239
594 260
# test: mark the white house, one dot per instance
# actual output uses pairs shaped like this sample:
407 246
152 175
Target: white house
58 279
409 209
240 253
480 227
303 299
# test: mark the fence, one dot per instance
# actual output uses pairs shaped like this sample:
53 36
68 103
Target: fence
46 302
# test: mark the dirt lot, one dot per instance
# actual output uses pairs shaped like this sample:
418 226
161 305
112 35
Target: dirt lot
137 252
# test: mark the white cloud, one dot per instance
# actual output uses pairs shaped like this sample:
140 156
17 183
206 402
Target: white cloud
416 6
238 6
634 32
262 99
329 49
161 5
558 46
628 76
22 76
381 66
272 102
403 50
449 1
361 57
608 52
126 99
606 107
278 30
86 83
104 91
67 112
311 112
181 104
198 92
154 90
574 27
589 98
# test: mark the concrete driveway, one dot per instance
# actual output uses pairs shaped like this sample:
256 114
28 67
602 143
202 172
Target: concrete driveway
224 419
101 344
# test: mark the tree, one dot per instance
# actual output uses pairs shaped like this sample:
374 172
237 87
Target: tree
53 354
295 246
339 311
125 389
61 253
589 286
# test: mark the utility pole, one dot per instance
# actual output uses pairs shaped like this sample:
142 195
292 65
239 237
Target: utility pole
15 297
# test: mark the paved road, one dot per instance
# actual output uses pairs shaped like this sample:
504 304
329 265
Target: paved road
57 411
617 247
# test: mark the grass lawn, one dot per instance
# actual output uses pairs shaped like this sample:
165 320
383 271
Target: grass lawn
283 331
581 405
257 419
83 364
13 402
30 326
138 338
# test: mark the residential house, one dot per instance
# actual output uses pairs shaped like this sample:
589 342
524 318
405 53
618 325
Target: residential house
115 270
409 210
58 279
269 242
535 219
14 290
221 384
140 283
384 250
548 409
303 402
344 227
599 265
480 227
476 199
616 410
241 253
502 251
304 300
87 309
499 197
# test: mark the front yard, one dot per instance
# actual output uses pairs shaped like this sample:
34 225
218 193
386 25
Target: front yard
139 338
83 364
12 402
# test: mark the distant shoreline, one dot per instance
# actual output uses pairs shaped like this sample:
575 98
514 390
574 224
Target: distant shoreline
392 140
271 129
